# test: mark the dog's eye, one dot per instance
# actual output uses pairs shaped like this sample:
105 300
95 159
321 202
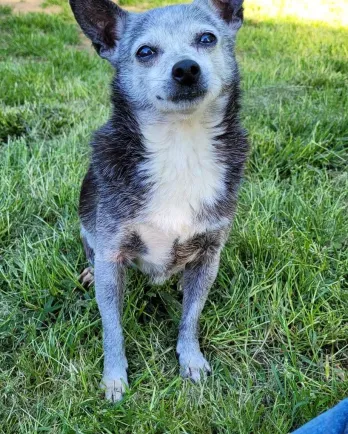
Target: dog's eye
145 52
207 38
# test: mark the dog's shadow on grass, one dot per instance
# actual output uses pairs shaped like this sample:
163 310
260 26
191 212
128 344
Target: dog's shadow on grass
154 302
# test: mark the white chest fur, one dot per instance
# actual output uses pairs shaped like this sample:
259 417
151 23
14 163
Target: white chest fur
184 173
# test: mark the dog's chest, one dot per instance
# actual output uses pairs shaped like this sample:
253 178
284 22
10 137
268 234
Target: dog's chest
183 175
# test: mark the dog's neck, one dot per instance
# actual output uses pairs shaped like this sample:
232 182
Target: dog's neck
208 117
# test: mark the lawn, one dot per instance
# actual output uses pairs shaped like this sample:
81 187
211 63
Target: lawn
275 327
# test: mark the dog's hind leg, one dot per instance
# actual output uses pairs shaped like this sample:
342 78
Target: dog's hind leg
87 276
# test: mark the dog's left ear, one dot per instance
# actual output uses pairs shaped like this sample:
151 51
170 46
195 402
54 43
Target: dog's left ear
231 11
103 23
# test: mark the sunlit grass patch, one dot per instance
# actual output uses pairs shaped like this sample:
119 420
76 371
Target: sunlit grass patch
332 12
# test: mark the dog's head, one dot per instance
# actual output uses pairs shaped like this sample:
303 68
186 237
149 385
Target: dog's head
171 59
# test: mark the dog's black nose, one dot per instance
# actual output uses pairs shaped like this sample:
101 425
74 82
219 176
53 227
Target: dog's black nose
186 72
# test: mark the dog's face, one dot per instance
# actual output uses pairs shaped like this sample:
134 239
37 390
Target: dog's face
172 59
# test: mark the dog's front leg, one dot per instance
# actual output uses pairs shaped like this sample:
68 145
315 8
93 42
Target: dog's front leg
197 280
109 285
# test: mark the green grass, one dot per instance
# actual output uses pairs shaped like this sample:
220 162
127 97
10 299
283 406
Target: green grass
275 327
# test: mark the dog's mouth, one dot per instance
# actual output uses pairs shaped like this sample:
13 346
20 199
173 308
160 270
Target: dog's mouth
187 96
183 100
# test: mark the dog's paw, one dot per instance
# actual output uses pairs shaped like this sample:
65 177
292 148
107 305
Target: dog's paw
194 366
87 277
114 387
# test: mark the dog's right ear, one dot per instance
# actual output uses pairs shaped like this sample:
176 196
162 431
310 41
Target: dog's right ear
103 23
230 11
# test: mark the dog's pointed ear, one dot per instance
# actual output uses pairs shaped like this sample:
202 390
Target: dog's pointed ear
231 11
102 21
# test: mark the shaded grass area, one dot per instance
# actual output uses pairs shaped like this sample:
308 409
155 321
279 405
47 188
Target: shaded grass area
275 325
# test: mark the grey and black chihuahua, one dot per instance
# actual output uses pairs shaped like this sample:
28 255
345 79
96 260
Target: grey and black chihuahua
161 189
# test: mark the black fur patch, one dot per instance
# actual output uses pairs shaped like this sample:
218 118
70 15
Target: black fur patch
133 246
113 179
192 250
88 201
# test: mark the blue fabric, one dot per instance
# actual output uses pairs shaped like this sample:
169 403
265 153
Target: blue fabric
334 421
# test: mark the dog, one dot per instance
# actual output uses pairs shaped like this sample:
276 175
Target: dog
161 189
